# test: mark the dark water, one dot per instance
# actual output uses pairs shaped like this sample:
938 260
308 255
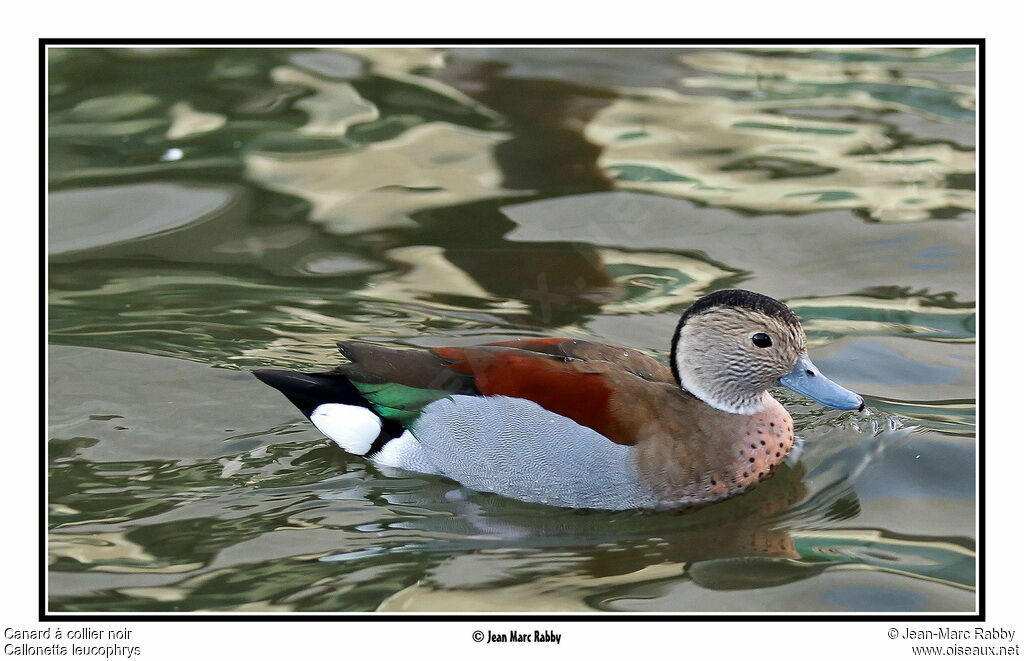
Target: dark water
216 210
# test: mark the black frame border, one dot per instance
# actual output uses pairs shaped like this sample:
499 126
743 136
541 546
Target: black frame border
206 616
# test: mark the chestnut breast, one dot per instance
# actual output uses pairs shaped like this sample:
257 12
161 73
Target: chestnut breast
694 453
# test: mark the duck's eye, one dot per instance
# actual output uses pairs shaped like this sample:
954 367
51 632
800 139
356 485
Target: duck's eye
761 340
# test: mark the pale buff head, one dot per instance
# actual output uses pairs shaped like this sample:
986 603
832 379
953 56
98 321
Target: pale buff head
732 345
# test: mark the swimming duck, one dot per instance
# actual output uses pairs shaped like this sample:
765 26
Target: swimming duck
579 424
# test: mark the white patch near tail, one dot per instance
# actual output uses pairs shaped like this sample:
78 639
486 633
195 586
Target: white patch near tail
407 453
354 428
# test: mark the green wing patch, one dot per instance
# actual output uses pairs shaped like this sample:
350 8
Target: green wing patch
397 402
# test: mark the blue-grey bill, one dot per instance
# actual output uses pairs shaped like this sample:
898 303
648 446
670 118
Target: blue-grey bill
809 382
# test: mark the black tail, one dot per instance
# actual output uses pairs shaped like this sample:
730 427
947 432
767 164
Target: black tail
308 391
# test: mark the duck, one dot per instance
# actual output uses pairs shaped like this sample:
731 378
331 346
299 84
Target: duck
580 424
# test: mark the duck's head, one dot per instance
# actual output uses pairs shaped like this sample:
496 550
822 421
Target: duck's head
732 345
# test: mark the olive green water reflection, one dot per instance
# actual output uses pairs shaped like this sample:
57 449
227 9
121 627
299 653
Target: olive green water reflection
216 210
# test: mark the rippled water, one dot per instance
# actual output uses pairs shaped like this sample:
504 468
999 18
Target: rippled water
216 210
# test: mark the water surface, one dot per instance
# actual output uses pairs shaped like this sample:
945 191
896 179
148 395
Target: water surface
217 210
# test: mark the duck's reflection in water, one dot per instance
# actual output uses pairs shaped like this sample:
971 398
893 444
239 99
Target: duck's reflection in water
777 533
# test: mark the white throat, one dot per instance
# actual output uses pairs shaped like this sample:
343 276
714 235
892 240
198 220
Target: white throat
729 402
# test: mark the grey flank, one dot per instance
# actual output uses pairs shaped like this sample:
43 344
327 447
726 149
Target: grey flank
516 448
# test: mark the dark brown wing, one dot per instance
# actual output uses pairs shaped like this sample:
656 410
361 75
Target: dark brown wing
629 360
590 383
